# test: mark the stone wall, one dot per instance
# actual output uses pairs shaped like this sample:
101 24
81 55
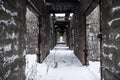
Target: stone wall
79 24
45 35
110 27
12 39
93 29
32 24
41 35
71 37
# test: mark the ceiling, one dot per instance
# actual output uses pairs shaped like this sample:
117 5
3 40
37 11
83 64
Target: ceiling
61 6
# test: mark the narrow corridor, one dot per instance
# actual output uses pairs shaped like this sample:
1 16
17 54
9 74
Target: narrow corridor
30 32
61 64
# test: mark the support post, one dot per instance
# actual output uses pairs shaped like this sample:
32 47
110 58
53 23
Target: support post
39 42
80 43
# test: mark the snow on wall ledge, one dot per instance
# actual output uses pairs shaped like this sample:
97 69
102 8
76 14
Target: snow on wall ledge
12 39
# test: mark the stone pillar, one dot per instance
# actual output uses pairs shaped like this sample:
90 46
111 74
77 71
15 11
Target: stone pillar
12 39
68 36
80 37
45 36
71 42
110 26
32 24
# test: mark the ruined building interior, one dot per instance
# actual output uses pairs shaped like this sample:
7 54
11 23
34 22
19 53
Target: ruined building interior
91 28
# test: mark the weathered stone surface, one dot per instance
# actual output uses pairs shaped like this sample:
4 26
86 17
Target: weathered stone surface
110 22
12 39
93 29
32 24
79 24
71 37
45 35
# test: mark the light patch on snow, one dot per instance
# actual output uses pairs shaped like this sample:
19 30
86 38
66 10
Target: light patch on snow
12 21
2 7
8 47
36 49
1 1
94 68
76 45
114 70
10 59
115 8
119 63
12 36
91 34
112 35
71 14
108 55
60 15
1 48
8 22
117 71
105 67
61 38
60 64
105 55
24 52
110 46
16 68
117 36
16 47
7 74
110 22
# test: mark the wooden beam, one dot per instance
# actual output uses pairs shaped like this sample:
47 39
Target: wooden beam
61 11
38 5
61 1
91 6
67 16
29 3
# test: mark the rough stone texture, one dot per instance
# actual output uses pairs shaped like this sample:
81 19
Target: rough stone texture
68 36
110 25
32 32
79 21
45 31
71 37
93 29
52 38
12 39
45 36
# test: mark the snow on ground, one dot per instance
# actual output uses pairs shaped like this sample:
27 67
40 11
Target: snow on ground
60 64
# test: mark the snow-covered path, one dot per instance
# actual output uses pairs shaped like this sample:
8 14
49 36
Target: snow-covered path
60 64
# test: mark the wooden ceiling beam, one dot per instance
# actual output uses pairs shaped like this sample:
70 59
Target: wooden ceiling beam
61 11
67 16
61 0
